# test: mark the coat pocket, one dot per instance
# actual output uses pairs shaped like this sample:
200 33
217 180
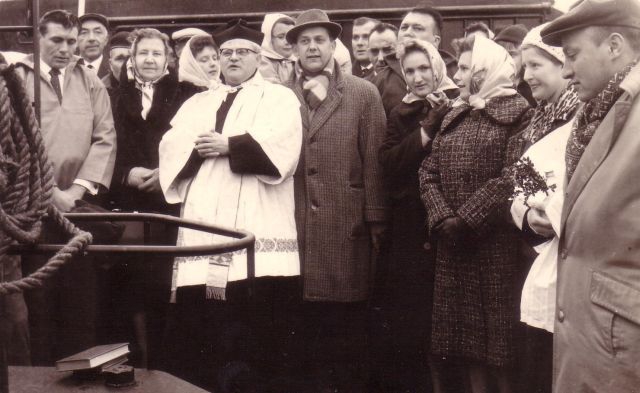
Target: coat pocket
623 303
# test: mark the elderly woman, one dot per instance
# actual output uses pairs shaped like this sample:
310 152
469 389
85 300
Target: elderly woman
148 97
199 63
474 307
545 140
408 285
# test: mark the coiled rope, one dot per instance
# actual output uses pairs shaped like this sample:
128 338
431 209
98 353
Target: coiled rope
26 184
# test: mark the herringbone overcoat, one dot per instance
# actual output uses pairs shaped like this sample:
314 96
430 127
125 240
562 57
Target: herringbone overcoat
338 189
474 310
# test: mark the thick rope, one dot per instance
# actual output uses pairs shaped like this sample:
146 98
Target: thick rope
26 184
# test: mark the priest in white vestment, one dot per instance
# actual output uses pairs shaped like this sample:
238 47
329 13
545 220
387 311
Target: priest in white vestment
229 160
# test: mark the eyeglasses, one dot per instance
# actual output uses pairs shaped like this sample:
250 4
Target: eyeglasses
387 50
241 52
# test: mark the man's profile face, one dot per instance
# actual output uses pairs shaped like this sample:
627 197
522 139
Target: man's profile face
587 63
314 48
57 45
360 41
92 39
117 57
419 26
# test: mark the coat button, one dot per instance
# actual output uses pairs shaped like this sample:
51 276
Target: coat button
563 253
314 206
312 171
560 316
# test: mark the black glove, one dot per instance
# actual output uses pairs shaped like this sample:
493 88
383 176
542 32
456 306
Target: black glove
431 123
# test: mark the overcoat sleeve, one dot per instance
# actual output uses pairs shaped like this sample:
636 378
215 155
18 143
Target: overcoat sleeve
400 151
98 165
371 133
431 189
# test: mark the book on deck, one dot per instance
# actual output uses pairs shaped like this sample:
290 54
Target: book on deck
93 357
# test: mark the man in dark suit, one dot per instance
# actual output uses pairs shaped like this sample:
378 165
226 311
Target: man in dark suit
362 27
92 39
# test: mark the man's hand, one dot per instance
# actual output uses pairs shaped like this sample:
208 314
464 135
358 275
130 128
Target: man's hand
138 175
452 229
151 182
211 145
539 222
376 230
66 200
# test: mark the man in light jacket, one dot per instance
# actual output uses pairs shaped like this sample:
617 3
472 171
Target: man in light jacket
597 327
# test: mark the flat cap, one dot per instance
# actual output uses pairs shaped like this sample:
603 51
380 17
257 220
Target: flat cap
120 40
238 29
97 17
585 13
187 33
514 34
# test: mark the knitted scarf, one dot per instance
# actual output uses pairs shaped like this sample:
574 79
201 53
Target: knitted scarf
315 86
590 116
547 116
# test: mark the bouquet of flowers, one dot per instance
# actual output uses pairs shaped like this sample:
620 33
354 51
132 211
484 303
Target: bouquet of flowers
527 181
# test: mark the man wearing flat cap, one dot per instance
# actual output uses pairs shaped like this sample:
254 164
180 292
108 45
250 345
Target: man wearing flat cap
340 208
597 328
229 159
119 48
92 39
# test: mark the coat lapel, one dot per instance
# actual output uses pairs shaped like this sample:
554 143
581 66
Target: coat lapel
597 150
304 109
328 106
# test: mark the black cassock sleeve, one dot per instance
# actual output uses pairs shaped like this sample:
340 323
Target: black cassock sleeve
247 157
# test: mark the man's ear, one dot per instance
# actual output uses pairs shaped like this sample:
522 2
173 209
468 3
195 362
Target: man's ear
437 40
616 43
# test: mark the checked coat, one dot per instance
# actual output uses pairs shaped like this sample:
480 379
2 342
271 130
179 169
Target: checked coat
338 189
475 308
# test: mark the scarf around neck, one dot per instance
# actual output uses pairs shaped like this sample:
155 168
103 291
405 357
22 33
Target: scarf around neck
315 86
590 116
548 116
146 87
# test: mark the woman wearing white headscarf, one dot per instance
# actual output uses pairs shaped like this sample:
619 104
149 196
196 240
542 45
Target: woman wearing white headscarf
475 306
199 63
408 283
278 61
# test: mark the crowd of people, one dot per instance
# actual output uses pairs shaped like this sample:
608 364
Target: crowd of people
425 221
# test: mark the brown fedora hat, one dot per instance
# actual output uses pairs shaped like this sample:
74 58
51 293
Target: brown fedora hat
313 18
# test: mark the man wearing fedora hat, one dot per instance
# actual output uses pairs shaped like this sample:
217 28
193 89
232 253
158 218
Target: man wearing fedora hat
92 39
340 208
597 327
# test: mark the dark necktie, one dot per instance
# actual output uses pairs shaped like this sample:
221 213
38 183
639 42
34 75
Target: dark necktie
55 82
223 111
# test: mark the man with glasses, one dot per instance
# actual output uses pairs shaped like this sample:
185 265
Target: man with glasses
229 159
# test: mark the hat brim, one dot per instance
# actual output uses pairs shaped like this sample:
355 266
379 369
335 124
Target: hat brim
97 17
333 28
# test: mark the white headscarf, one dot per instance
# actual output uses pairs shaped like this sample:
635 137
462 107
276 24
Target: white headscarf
492 72
190 71
267 28
441 81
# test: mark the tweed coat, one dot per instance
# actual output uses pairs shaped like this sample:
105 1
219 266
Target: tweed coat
474 310
338 189
597 327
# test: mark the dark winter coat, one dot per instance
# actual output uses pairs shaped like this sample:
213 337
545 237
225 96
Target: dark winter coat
138 138
475 307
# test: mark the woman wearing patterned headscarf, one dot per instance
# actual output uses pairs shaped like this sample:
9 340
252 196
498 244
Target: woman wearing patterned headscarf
407 286
474 306
545 141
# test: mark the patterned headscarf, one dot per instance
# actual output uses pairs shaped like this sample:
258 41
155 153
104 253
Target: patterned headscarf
493 72
547 116
590 116
190 71
146 87
441 81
